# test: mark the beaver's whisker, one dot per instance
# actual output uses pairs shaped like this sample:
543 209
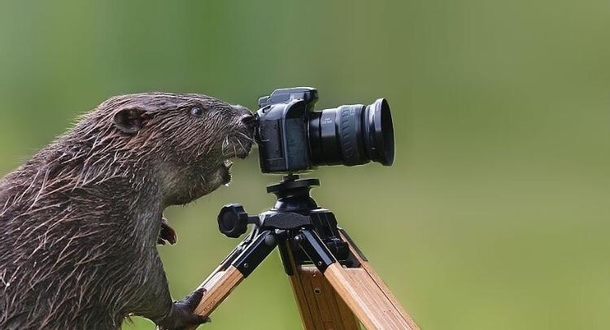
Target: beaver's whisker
241 145
249 138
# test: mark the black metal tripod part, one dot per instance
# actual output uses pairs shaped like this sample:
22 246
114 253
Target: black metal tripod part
295 222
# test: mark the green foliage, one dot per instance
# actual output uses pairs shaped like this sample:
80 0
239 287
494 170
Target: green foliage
495 213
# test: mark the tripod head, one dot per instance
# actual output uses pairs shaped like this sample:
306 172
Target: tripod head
293 211
293 194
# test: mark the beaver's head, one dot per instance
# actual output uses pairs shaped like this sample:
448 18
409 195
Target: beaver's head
187 141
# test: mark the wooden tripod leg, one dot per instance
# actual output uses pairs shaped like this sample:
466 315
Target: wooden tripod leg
366 266
370 302
237 266
217 287
366 294
319 304
335 299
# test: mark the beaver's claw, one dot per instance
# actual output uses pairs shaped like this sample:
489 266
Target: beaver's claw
182 315
166 234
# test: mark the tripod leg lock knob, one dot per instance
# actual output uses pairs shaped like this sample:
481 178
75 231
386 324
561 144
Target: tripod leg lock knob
233 220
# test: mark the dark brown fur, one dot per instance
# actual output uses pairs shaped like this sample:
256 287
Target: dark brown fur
80 220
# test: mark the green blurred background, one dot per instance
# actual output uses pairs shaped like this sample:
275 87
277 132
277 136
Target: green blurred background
495 214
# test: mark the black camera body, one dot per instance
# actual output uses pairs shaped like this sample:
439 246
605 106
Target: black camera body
293 138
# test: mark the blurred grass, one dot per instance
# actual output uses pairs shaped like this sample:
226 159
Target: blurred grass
495 215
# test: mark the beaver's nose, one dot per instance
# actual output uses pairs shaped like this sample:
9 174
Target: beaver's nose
249 120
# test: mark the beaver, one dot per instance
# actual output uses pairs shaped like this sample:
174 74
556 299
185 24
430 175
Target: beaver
82 218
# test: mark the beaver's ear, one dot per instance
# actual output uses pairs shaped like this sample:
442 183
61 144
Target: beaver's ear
130 120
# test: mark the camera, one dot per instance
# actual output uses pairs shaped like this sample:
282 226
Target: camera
293 137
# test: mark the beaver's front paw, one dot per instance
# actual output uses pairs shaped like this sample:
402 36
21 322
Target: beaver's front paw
166 234
182 315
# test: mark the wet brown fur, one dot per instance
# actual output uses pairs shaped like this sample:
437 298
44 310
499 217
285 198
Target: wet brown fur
80 220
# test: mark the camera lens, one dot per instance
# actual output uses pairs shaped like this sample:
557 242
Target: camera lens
352 135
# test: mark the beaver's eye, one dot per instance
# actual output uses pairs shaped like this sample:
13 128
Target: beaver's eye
196 111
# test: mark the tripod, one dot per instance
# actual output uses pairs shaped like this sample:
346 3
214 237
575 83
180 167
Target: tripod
333 283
